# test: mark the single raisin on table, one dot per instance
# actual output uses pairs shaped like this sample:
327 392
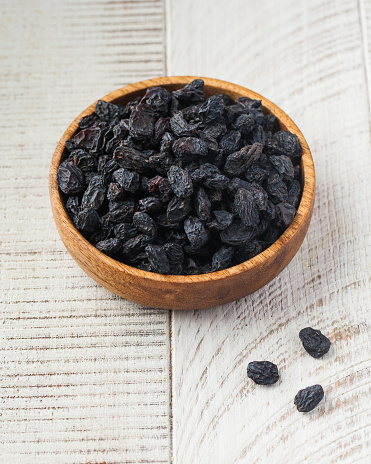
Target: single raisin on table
308 398
314 342
263 372
177 183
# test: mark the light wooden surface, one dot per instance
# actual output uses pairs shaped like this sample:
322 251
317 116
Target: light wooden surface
88 377
84 374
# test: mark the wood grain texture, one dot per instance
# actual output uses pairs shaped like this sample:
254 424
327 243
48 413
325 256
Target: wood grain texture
84 374
364 8
307 57
185 292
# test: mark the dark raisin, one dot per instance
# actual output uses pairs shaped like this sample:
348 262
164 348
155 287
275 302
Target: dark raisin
308 398
222 220
178 209
87 220
180 126
284 166
89 139
115 192
244 123
222 259
142 121
130 158
125 231
110 247
70 178
202 205
246 208
94 195
263 372
191 93
248 250
237 234
150 205
285 143
230 142
83 160
277 189
256 174
285 214
158 259
160 186
128 180
109 111
121 210
158 99
189 148
175 255
145 224
212 109
238 162
196 232
260 196
314 342
180 182
134 246
294 192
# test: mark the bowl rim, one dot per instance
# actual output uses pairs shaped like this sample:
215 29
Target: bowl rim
308 178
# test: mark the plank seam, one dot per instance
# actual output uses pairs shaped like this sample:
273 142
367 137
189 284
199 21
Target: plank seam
366 66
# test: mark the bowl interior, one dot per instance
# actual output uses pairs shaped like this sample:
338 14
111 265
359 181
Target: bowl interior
212 86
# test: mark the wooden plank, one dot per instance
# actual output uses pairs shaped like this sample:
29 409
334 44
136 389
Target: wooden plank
306 57
84 374
365 20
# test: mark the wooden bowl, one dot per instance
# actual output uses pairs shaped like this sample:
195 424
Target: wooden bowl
185 292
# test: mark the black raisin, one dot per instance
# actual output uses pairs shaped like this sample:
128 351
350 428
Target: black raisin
314 342
308 398
70 178
196 232
110 247
222 259
285 214
142 121
263 372
158 259
128 180
180 182
145 224
246 208
202 205
87 220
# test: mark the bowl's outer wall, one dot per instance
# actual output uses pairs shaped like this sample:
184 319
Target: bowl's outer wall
185 292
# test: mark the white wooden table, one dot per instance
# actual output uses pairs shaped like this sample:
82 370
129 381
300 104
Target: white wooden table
89 377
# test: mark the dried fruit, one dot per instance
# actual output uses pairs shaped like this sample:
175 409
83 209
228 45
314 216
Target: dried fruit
70 178
263 372
180 182
158 259
314 342
308 398
177 184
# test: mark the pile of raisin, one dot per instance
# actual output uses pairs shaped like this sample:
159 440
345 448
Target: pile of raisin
176 184
266 372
